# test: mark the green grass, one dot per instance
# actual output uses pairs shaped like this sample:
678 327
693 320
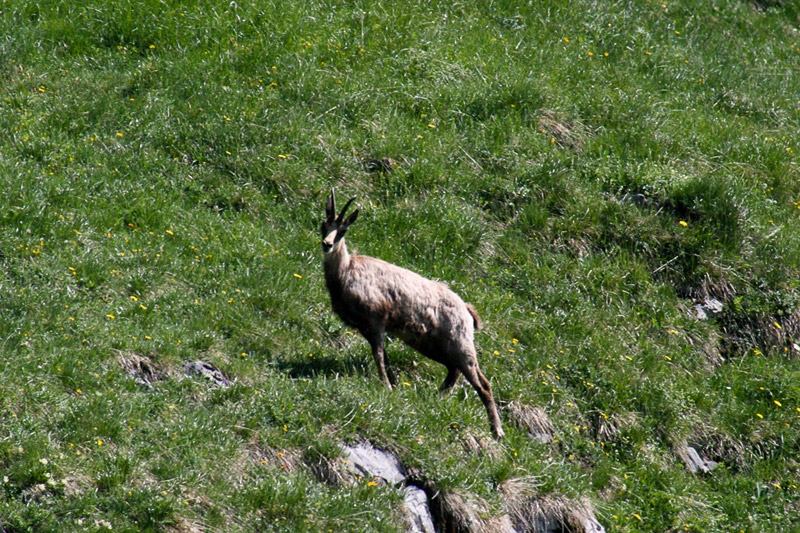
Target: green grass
164 169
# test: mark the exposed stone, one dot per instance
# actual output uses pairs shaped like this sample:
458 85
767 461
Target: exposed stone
700 312
708 307
694 461
417 510
365 461
429 509
207 371
637 199
371 462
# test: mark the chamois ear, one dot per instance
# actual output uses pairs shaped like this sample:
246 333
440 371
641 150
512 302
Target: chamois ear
350 219
330 207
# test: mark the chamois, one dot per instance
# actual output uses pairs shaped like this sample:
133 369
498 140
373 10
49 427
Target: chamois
377 297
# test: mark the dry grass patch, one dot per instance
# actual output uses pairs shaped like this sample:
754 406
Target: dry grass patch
567 133
534 420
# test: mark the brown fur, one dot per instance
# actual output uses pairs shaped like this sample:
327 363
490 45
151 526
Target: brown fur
377 298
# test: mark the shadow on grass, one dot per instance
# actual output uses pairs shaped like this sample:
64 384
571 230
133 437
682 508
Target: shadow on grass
312 367
349 365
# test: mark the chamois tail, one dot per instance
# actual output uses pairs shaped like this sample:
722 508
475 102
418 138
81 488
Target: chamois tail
475 317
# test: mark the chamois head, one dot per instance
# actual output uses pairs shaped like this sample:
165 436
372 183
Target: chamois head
334 227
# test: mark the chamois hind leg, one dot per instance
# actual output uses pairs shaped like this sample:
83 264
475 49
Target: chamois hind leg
484 389
453 373
376 338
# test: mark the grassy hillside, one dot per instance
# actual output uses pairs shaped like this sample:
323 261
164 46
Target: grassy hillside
585 174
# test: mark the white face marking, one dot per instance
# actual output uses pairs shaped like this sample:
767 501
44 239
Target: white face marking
328 241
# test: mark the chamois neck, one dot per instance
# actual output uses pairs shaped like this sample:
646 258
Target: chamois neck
338 258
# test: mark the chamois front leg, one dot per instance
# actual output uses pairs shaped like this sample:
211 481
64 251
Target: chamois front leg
376 338
481 385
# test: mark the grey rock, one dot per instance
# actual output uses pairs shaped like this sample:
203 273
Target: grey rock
700 312
457 512
714 306
694 461
207 371
638 199
365 460
372 462
708 307
417 511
